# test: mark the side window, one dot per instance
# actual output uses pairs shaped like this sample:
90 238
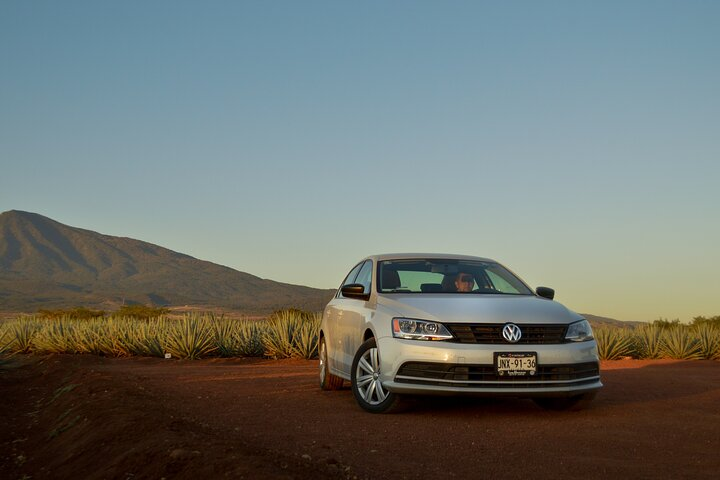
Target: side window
350 278
365 276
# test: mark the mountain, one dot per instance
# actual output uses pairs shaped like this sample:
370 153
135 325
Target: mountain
598 322
45 264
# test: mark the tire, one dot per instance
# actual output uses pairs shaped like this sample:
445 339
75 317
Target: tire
574 403
328 381
366 387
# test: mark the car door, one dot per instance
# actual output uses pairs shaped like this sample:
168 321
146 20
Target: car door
351 324
334 315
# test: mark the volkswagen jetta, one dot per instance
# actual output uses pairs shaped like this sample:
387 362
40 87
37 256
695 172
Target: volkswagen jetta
450 324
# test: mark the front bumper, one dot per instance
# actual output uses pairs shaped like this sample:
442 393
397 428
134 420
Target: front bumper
418 367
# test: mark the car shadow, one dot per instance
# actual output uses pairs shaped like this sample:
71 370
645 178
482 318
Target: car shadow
661 382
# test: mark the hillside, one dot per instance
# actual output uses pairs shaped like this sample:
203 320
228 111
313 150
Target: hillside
45 264
599 322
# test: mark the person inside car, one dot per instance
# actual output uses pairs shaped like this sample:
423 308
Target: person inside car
464 282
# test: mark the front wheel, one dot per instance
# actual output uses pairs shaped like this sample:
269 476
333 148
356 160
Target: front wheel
366 385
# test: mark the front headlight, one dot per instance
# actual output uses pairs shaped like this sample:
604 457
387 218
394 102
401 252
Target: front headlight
412 329
579 331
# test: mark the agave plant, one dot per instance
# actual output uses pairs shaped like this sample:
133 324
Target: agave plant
277 337
92 336
22 333
225 341
117 338
647 341
680 343
708 337
305 342
235 338
291 334
248 338
5 340
148 337
55 337
613 343
191 338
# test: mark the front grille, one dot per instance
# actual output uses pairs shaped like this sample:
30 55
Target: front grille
454 375
491 333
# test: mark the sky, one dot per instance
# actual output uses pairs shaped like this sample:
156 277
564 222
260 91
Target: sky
576 142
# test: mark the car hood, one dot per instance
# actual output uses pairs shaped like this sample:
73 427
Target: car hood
481 308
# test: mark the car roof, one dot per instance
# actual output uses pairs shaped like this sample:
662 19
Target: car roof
407 256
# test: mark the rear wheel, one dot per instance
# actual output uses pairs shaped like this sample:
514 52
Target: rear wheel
576 402
367 388
328 381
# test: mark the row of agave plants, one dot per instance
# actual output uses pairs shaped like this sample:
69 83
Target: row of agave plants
286 335
652 341
289 334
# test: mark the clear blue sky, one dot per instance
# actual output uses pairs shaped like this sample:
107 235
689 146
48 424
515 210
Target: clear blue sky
576 142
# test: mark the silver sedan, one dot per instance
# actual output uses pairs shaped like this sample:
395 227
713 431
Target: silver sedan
450 324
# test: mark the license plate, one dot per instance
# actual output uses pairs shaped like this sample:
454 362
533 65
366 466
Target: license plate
515 364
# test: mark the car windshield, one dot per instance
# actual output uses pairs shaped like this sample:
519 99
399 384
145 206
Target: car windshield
447 276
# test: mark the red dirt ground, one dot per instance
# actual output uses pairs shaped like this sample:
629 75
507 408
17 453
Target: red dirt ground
90 417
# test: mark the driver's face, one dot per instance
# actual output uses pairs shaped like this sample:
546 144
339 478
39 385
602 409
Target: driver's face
464 282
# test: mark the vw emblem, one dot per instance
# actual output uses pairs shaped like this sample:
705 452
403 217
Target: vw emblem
511 332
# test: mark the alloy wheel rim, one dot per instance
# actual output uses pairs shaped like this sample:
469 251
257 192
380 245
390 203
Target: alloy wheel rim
367 378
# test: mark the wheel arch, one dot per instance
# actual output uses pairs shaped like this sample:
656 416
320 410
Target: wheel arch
368 335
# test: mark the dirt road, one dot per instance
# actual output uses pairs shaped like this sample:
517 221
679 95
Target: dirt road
91 417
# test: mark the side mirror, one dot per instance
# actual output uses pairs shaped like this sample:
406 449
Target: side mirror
355 290
545 292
